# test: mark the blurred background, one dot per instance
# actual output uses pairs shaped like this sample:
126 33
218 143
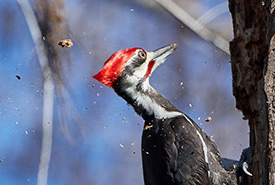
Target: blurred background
96 135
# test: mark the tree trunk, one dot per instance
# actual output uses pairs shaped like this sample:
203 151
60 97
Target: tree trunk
253 70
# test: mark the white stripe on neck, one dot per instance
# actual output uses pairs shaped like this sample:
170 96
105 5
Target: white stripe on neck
151 107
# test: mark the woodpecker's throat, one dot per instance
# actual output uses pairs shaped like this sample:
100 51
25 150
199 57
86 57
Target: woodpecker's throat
146 101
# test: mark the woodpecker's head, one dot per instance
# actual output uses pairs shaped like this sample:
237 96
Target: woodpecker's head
132 66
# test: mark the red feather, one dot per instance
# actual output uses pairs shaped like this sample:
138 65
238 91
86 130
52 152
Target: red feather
113 67
149 70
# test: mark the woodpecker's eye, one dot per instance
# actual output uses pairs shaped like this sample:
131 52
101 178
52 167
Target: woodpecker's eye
141 54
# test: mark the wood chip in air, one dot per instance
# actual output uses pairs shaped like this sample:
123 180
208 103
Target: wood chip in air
147 127
208 119
65 43
18 77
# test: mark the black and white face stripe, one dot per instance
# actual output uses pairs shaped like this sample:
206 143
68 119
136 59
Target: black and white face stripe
133 83
143 63
135 62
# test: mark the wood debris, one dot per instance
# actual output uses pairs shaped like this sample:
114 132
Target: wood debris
65 43
208 119
148 127
18 77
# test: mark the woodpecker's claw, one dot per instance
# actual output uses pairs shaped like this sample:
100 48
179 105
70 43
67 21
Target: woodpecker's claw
246 159
242 170
245 168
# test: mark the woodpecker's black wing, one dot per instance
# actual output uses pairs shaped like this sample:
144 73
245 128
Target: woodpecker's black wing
173 153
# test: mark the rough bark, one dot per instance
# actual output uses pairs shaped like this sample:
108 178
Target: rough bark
253 71
270 92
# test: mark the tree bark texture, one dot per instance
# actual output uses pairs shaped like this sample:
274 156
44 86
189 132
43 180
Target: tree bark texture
253 70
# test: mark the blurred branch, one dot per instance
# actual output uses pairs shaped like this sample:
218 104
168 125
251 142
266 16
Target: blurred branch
195 25
48 95
213 13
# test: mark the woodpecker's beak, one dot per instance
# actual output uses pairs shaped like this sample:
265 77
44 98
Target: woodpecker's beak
160 55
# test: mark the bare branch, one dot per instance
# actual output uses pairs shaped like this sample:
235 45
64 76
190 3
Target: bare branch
195 25
213 13
48 95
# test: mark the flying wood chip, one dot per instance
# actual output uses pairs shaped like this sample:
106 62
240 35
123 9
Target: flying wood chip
18 77
66 43
208 119
148 127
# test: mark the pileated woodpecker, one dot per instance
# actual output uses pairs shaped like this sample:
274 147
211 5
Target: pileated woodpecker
175 150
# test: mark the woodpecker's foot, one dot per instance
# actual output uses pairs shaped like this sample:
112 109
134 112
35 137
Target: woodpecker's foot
246 160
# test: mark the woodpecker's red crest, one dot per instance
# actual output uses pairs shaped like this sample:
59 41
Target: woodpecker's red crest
114 65
135 63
